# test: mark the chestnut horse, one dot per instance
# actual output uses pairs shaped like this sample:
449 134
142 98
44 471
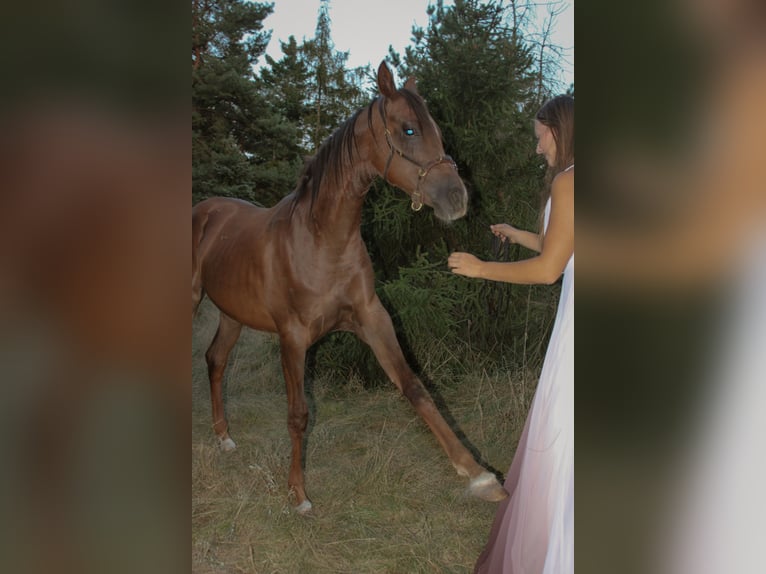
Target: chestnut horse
300 269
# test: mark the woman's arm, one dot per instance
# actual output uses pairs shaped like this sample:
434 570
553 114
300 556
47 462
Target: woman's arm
557 248
526 239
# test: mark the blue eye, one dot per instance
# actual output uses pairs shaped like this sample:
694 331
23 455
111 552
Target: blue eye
409 132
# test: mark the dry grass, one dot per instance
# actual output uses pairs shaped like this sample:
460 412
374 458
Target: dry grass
386 499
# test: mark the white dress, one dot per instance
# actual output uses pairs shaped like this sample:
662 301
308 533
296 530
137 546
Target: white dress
533 531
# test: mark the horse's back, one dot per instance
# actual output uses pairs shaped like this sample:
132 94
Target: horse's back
219 208
215 214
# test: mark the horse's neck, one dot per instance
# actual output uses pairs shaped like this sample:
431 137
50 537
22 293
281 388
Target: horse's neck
337 210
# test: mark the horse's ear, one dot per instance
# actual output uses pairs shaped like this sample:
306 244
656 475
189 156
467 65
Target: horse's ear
411 85
385 80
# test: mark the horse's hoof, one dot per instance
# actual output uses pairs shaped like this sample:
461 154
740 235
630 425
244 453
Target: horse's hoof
227 445
304 507
486 487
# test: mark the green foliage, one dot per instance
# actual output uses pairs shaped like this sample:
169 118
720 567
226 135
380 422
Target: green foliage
241 144
332 94
477 76
286 82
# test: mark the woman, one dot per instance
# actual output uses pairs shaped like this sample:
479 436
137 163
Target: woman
533 531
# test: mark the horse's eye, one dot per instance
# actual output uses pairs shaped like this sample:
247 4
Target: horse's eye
409 132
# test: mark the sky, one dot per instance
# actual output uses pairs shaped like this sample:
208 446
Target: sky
365 28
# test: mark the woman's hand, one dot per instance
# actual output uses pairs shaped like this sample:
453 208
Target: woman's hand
465 264
505 231
524 238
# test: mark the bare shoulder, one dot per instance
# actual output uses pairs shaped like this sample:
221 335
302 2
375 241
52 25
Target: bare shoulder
563 183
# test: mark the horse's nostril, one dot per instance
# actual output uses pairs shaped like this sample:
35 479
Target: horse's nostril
457 197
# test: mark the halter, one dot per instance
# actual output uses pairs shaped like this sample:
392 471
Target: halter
423 170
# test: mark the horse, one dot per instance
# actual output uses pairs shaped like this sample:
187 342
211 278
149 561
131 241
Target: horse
300 269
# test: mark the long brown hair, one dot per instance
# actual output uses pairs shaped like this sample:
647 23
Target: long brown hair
558 115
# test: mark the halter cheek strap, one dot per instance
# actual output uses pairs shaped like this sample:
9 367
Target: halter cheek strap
423 170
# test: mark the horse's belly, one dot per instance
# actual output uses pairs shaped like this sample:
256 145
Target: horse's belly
249 312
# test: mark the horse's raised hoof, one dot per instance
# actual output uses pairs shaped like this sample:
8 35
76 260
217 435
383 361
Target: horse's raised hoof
486 487
227 445
304 507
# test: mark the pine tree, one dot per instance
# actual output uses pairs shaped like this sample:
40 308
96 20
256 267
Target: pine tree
286 83
241 145
478 76
333 93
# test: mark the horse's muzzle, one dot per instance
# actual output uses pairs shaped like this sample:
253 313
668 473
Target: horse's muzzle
451 203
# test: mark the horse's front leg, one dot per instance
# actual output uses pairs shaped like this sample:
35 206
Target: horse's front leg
293 350
375 328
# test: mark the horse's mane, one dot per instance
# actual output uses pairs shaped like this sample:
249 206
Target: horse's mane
336 153
330 161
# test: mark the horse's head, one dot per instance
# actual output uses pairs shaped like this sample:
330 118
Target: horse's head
412 157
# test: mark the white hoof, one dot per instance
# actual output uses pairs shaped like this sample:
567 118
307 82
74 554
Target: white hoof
484 479
227 444
304 507
486 487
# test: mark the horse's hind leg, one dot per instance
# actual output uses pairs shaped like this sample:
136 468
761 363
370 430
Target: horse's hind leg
197 294
217 355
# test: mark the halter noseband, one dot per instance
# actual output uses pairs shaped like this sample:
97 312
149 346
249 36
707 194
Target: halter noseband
423 170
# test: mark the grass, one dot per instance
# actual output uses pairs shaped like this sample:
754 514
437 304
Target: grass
386 499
